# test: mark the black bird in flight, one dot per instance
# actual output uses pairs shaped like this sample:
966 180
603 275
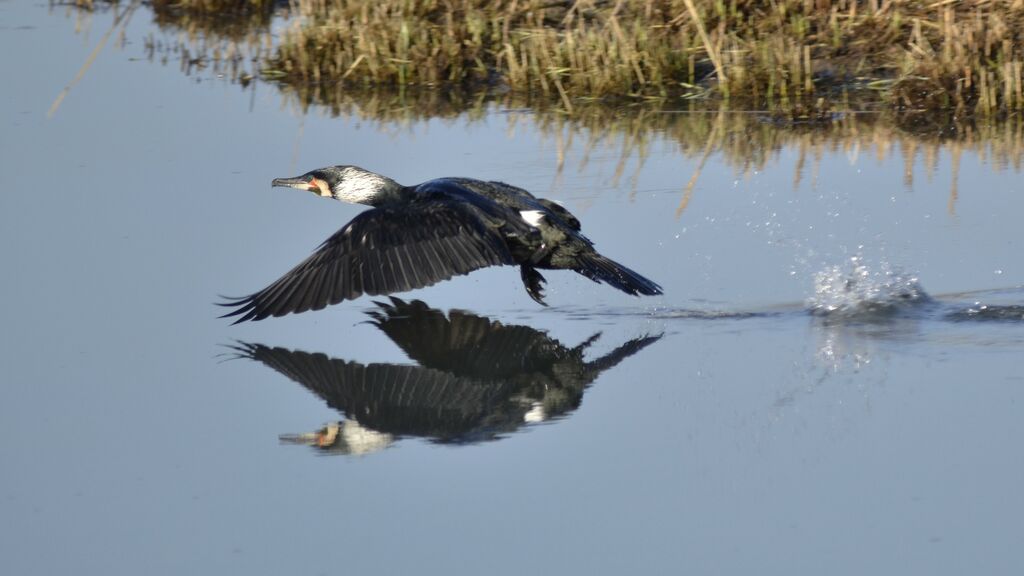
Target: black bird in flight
416 236
475 379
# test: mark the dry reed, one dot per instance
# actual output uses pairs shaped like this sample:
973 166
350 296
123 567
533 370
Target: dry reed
961 55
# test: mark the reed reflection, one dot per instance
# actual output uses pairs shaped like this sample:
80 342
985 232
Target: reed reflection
475 379
238 45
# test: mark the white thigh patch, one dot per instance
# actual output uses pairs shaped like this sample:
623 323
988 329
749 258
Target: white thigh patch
532 217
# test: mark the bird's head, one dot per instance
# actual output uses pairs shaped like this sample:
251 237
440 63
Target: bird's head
320 181
345 183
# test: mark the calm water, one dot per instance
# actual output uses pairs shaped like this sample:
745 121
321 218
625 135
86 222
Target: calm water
832 383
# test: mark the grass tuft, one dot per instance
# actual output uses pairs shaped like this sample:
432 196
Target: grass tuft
964 55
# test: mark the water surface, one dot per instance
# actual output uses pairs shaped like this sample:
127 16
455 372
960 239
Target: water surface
832 382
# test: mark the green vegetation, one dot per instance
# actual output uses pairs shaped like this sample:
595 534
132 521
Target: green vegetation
967 56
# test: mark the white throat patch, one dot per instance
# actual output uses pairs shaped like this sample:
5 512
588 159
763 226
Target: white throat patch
358 186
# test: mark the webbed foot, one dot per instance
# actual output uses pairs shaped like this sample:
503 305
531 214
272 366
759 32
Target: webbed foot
534 283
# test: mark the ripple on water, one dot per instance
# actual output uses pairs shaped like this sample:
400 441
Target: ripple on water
668 313
682 313
985 312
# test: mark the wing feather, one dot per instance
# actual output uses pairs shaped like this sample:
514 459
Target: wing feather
323 292
383 251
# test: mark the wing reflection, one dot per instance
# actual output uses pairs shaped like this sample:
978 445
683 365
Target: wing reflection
476 379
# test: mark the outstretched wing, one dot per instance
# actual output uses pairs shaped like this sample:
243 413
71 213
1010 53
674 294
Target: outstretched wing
382 251
394 398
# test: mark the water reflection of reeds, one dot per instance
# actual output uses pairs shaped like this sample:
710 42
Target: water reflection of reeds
747 141
231 41
234 44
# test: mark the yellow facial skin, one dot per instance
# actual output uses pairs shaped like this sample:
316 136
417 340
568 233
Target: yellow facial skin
318 185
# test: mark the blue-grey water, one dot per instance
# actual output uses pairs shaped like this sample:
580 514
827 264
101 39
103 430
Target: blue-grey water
832 383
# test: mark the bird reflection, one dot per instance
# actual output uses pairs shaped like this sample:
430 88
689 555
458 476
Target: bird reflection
476 379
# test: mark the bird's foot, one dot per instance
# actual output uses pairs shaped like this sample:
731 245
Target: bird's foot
534 283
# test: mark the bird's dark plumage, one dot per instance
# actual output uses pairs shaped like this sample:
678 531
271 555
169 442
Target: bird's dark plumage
416 236
382 251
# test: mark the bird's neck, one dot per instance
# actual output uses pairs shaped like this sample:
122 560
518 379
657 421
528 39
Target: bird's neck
365 187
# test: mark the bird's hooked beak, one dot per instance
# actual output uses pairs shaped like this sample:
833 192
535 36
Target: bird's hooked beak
310 183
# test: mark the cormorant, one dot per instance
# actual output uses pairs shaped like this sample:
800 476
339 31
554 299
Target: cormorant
475 379
416 236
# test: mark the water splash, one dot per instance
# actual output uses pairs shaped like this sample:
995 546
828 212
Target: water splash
855 289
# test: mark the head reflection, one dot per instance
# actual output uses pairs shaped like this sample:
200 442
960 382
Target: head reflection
475 379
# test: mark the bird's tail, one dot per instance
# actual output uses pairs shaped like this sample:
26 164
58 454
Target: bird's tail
601 269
